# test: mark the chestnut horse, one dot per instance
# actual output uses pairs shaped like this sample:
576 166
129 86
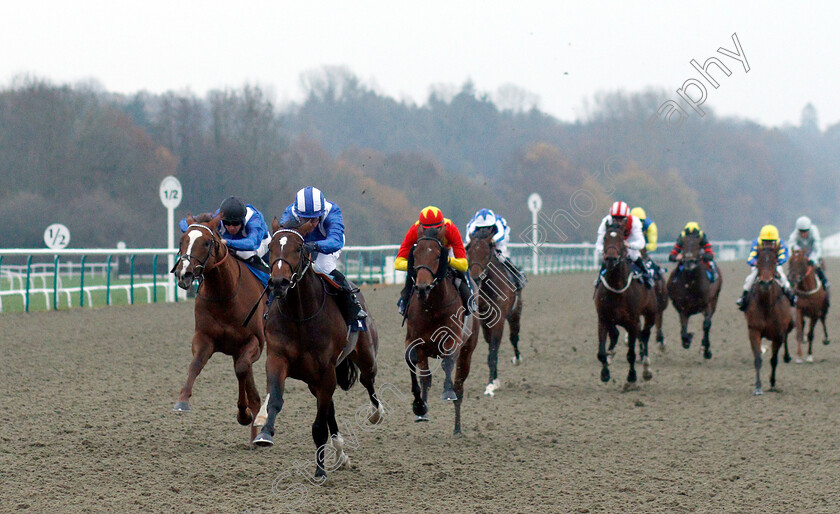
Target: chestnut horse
622 301
308 340
769 314
225 295
437 325
811 302
498 300
692 292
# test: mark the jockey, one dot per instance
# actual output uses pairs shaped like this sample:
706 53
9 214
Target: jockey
807 237
323 226
651 233
431 217
705 247
633 238
244 230
768 234
486 218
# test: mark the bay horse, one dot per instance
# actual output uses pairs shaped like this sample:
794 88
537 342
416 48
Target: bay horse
436 325
812 300
769 313
309 340
498 300
225 295
622 301
692 292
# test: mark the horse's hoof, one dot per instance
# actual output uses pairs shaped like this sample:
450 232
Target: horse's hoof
798 360
647 374
605 374
827 342
631 376
263 440
662 346
457 433
758 392
181 407
376 415
809 358
320 472
421 417
686 342
707 354
420 408
448 396
516 361
786 358
242 419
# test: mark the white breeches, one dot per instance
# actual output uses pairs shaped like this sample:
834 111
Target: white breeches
259 252
502 247
748 283
326 262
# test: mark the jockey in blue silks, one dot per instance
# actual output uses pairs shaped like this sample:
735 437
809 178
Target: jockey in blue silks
245 232
325 242
485 218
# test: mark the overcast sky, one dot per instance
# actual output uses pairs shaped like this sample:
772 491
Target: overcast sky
563 52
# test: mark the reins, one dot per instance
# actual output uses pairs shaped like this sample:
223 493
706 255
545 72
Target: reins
297 275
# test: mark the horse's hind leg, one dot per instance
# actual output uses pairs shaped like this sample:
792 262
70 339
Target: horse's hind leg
755 344
341 458
514 320
461 374
249 398
774 360
799 323
811 326
707 326
367 376
825 330
276 371
494 342
684 333
202 349
632 335
644 339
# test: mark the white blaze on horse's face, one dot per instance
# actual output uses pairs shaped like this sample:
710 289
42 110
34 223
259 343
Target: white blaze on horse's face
613 234
193 234
283 240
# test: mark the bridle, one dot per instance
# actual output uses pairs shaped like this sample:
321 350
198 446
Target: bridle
201 266
301 269
807 273
437 276
484 267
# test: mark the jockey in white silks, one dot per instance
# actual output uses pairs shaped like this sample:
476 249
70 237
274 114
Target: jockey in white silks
634 238
486 218
807 237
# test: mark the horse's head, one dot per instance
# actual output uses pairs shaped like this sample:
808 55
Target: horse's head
288 256
480 252
798 266
766 263
614 248
430 259
200 249
691 250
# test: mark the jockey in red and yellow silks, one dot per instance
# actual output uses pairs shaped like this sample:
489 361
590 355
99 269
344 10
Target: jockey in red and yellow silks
432 217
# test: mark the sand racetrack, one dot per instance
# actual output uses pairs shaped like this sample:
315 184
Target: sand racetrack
87 422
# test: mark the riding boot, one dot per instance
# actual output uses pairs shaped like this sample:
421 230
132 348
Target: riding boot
350 306
790 296
465 290
743 301
518 279
646 275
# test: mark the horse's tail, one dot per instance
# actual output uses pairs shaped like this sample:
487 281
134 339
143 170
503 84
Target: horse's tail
346 374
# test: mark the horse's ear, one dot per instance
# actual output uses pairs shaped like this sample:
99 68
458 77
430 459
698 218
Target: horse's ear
190 219
275 225
214 222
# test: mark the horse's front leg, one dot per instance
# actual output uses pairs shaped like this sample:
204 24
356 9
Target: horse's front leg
448 364
632 335
707 326
494 341
811 326
202 349
419 406
461 373
755 344
774 360
602 350
800 334
341 458
276 371
684 333
320 427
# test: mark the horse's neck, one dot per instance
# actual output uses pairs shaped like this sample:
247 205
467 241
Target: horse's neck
617 276
440 295
768 298
223 277
808 281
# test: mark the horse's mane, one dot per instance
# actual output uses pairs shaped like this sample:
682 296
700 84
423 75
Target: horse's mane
484 232
203 217
292 223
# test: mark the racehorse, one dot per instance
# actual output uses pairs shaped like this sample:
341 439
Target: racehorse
661 292
769 314
437 325
692 292
309 340
495 305
622 301
225 295
811 302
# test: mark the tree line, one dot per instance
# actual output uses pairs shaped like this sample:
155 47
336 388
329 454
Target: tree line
93 160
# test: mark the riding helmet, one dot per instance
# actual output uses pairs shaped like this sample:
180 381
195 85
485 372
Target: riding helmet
309 203
233 209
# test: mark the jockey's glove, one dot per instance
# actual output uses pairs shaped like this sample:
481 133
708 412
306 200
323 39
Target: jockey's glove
310 246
